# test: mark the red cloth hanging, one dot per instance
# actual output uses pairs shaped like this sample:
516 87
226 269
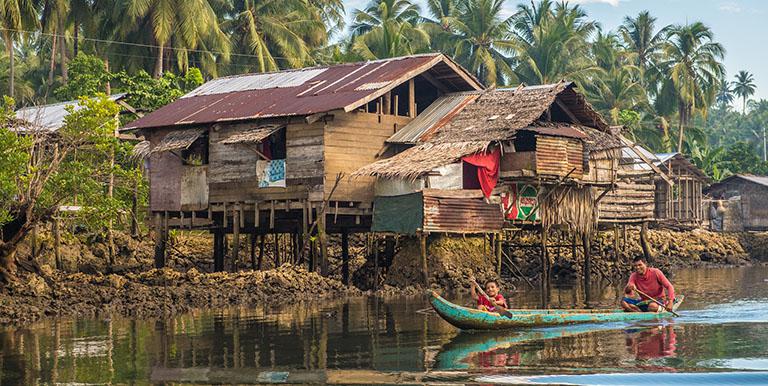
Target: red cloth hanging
487 169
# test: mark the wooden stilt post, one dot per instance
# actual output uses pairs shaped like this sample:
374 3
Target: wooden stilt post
135 210
276 250
389 250
322 239
424 267
544 258
345 277
235 238
497 249
252 249
34 241
644 242
261 252
616 249
587 264
56 243
375 262
160 239
218 250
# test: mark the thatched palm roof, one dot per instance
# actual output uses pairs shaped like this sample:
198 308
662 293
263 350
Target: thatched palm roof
421 159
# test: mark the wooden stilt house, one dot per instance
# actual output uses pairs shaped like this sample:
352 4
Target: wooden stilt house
263 153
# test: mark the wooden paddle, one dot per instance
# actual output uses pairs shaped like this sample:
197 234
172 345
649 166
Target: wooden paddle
657 302
500 309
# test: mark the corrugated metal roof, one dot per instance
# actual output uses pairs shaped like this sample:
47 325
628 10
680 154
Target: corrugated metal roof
50 117
433 117
295 92
760 180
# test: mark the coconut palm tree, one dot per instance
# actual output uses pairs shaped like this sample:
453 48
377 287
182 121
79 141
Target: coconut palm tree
744 87
547 37
483 41
278 33
724 95
388 28
692 65
15 16
640 37
189 25
441 25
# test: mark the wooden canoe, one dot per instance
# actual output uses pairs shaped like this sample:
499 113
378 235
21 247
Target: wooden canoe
471 319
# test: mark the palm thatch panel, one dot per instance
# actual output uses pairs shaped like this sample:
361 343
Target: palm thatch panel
178 140
140 151
497 114
253 135
421 159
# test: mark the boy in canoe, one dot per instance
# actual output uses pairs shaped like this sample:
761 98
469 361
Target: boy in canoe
652 283
494 297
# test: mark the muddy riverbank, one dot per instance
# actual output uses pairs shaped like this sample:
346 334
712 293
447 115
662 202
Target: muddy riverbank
133 289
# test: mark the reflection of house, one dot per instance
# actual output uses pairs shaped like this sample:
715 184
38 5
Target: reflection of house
260 153
740 202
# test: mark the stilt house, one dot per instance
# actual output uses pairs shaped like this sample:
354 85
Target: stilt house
476 160
271 152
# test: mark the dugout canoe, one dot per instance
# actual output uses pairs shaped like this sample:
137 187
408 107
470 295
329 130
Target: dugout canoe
471 319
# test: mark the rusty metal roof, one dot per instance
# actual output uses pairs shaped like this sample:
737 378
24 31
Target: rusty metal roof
302 92
433 117
50 117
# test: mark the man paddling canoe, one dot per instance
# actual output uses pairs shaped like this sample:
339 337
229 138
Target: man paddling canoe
651 284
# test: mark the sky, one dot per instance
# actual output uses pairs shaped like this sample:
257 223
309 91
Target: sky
741 26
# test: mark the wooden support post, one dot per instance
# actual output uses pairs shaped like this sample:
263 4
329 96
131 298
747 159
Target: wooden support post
272 214
423 258
389 250
345 277
276 250
235 238
322 238
252 249
544 259
160 240
261 252
56 243
135 210
219 248
499 246
587 263
376 271
34 242
411 99
644 242
397 104
616 249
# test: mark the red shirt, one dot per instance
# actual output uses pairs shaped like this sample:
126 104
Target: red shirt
482 301
652 283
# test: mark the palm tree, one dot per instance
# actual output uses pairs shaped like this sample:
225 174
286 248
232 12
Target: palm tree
547 37
640 38
744 87
278 33
483 40
724 95
15 16
617 86
190 25
441 27
388 28
694 71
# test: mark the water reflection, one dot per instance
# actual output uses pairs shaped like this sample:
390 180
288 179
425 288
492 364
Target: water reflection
723 327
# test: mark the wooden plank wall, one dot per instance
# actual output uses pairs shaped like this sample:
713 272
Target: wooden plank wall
232 169
352 140
629 202
603 166
556 156
165 171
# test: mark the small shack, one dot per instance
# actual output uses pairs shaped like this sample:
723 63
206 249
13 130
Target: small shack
739 203
682 202
271 152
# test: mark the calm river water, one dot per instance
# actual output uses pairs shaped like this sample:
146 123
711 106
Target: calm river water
720 338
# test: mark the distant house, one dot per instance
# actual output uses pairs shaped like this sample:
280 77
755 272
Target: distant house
260 153
50 118
740 202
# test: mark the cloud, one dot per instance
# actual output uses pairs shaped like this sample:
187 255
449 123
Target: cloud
730 7
613 3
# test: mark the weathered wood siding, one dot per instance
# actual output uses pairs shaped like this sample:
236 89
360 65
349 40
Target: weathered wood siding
628 203
556 156
232 172
603 166
754 202
194 188
165 171
352 140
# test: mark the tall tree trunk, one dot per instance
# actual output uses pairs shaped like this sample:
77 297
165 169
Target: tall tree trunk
77 35
683 119
52 68
63 51
106 67
12 62
744 105
159 62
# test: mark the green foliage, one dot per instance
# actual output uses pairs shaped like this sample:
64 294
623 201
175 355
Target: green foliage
14 157
88 76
